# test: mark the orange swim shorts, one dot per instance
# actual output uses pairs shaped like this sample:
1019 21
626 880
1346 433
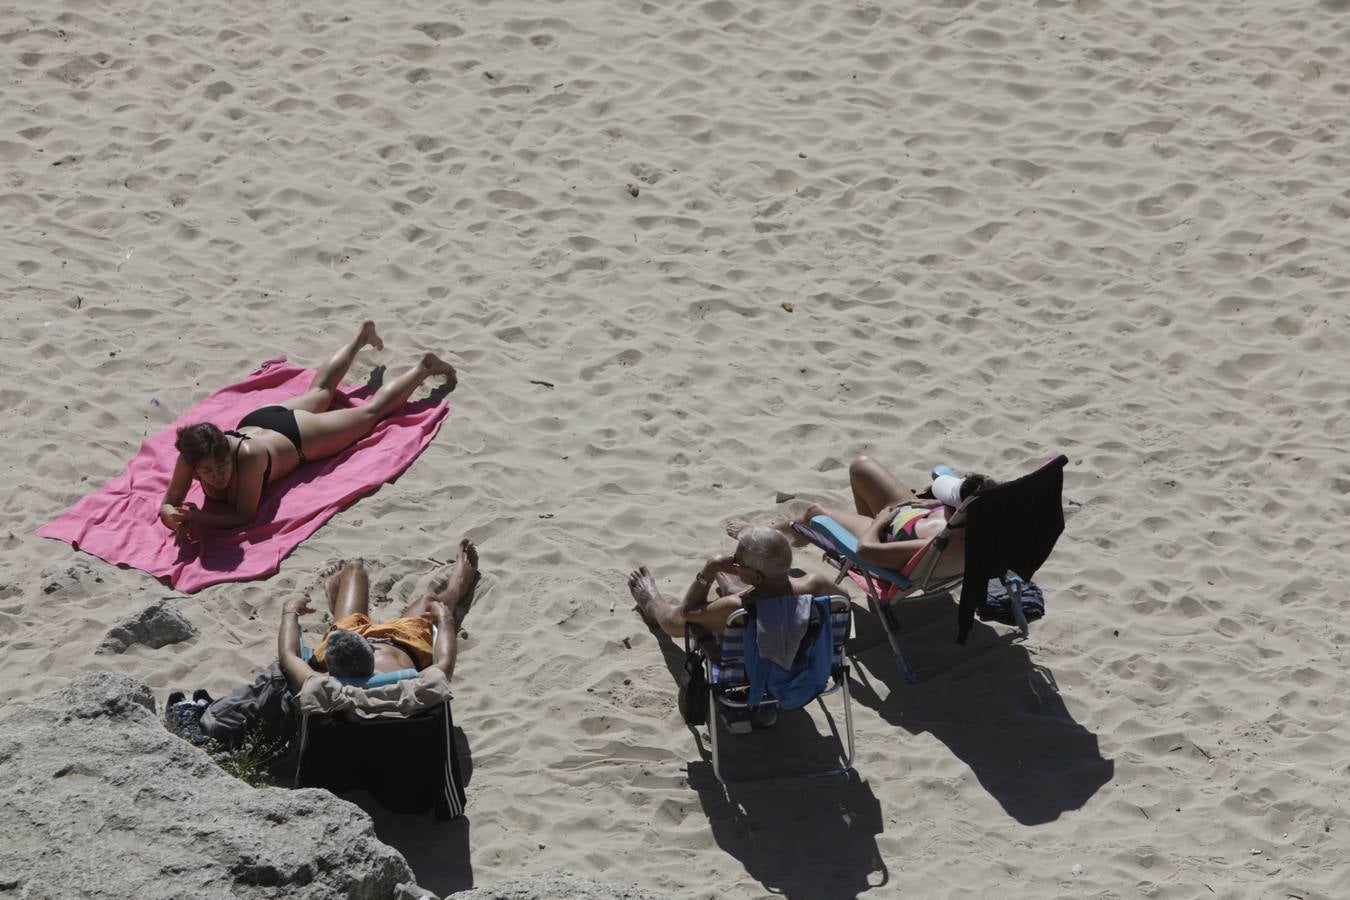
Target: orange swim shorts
413 636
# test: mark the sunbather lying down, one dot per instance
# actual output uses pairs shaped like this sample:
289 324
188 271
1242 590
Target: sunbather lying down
235 467
890 521
356 647
762 560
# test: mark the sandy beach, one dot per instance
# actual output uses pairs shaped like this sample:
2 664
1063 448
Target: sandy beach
687 257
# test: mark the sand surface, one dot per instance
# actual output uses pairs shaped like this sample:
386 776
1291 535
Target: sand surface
1115 231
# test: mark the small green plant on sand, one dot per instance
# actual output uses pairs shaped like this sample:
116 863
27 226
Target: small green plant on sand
249 761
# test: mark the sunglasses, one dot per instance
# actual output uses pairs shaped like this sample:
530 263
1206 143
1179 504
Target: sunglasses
736 561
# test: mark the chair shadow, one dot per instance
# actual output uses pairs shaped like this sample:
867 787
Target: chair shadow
804 838
437 851
990 702
808 839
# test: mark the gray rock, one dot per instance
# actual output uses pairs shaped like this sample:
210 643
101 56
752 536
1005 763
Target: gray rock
557 885
63 579
155 626
99 800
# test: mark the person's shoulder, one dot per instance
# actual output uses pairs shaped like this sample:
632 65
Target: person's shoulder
817 584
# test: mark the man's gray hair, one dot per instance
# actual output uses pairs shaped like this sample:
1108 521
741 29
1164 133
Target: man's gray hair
349 655
765 550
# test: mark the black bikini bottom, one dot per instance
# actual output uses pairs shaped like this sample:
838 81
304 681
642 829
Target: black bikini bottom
278 419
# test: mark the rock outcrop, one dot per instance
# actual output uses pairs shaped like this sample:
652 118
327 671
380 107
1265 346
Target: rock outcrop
98 799
155 626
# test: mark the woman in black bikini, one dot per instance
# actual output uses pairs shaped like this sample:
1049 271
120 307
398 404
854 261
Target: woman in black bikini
235 467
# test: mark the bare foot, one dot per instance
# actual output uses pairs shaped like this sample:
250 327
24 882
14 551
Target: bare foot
437 366
736 526
331 576
643 587
456 590
367 336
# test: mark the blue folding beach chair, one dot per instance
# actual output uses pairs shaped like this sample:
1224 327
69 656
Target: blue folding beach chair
729 681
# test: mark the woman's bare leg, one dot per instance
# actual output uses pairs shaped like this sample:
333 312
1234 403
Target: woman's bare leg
348 588
736 526
874 487
329 433
328 376
854 523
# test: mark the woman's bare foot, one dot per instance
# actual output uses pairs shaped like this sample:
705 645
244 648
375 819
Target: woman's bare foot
331 577
367 337
736 526
456 590
437 366
643 587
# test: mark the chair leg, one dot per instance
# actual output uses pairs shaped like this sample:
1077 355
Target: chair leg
712 737
883 612
1015 595
845 737
848 721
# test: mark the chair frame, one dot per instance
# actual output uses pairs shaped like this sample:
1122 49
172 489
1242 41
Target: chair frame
839 671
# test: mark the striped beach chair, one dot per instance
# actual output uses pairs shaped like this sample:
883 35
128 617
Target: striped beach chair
729 683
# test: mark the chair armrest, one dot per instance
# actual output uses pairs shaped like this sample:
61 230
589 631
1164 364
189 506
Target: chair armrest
842 542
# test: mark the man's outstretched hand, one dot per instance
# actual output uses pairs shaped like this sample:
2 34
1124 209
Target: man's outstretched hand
440 615
297 605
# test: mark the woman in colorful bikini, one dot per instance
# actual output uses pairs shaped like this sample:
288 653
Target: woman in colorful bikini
890 521
236 466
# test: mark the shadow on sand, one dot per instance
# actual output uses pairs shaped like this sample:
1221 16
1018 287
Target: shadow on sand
804 838
437 851
989 702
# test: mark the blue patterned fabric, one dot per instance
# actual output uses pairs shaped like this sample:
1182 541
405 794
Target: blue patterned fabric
730 672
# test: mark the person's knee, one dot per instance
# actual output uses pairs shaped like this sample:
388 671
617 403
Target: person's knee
860 464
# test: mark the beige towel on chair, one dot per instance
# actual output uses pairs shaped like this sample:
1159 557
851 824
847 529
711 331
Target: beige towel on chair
323 694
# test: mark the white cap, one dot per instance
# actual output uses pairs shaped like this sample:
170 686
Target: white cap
947 488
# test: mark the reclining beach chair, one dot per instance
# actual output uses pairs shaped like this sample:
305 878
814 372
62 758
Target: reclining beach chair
395 740
729 681
1018 522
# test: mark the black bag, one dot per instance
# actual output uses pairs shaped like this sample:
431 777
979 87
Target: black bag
693 682
997 606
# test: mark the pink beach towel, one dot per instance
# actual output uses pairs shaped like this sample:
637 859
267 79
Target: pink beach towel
120 521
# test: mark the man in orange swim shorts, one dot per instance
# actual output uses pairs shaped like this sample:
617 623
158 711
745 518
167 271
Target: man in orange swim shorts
356 648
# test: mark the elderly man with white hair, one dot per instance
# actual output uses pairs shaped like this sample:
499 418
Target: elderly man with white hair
762 561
